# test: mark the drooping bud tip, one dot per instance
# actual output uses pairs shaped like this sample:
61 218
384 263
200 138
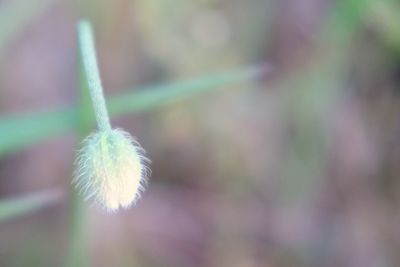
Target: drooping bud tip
111 169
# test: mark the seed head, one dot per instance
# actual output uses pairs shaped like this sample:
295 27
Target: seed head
111 169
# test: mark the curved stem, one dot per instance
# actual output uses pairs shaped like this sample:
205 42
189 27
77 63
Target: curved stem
89 61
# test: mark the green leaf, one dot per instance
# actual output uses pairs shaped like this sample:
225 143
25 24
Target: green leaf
17 132
15 207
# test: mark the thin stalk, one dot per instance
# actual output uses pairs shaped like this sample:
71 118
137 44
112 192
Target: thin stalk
91 70
90 90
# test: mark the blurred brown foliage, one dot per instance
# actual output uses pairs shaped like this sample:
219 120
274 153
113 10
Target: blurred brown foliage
299 168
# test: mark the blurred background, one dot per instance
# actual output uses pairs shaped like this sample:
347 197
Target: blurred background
295 165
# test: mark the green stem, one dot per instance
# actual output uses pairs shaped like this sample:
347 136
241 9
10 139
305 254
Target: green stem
88 53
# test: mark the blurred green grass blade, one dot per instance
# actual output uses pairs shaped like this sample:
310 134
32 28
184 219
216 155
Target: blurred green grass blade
16 15
20 131
17 132
77 245
16 207
384 17
318 87
153 97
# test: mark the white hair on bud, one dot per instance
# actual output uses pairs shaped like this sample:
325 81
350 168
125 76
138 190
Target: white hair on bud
111 169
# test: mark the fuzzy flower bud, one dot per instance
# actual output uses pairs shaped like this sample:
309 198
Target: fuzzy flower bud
111 169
